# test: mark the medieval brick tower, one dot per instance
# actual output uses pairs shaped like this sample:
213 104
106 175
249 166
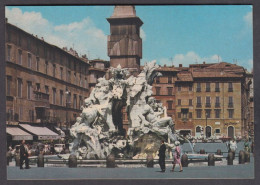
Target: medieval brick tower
124 42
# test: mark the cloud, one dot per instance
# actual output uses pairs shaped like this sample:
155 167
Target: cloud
189 58
248 18
142 34
84 36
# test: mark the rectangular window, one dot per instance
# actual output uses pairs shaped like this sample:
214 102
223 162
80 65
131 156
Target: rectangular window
37 63
198 113
46 67
198 101
179 101
29 90
157 90
230 87
169 90
217 101
8 85
208 104
190 102
61 73
38 87
68 76
19 87
190 114
61 97
29 60
190 87
80 101
179 87
54 70
217 131
208 113
198 87
80 81
157 80
207 87
169 80
76 80
54 95
75 101
20 57
217 113
230 102
9 48
217 87
46 89
230 113
169 105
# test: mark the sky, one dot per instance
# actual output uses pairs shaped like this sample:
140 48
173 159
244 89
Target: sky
171 35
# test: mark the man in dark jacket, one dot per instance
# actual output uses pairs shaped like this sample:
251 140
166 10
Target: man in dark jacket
24 155
162 156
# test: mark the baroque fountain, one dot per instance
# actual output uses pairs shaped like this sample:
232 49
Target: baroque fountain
99 131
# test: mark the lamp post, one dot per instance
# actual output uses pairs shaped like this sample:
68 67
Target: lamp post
206 125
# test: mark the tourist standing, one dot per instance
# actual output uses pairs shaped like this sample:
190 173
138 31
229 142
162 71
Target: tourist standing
246 146
24 155
162 156
177 156
233 147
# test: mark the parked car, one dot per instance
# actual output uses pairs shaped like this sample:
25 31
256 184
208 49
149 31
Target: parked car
59 147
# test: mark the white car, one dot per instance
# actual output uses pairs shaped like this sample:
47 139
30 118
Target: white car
59 147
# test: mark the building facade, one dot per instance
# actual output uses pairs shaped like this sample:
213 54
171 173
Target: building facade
44 84
208 99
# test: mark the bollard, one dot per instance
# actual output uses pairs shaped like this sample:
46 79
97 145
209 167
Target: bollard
202 151
247 157
110 163
241 157
40 160
17 160
219 152
211 160
73 162
184 160
234 154
149 161
230 158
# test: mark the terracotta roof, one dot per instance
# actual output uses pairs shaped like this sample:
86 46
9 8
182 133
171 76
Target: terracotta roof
184 76
167 69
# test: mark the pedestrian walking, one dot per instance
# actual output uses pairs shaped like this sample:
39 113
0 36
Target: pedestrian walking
24 155
177 156
162 156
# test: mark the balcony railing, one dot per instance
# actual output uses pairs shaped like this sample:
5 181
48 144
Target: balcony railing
217 89
198 89
39 96
208 105
230 105
207 89
217 105
198 104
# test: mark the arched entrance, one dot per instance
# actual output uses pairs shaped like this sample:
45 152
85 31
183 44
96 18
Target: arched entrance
208 131
231 131
198 131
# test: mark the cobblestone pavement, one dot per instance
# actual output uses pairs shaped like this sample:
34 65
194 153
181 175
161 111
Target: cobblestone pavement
242 171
